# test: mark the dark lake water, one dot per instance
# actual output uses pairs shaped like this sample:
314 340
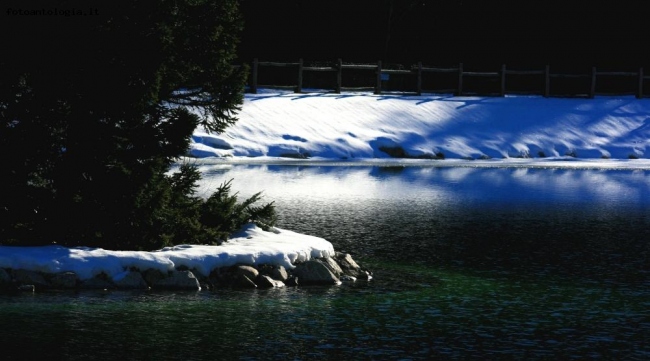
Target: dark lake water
469 263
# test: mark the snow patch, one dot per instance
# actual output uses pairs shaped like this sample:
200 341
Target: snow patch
251 245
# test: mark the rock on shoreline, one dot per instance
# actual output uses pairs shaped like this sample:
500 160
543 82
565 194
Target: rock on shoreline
319 271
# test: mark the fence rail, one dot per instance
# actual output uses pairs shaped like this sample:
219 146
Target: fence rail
541 84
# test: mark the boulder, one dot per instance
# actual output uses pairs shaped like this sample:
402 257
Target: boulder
346 278
364 275
292 281
348 265
97 283
179 280
242 281
5 278
151 276
130 280
264 281
315 272
199 275
25 277
218 276
27 288
275 272
331 264
240 276
64 280
280 273
247 271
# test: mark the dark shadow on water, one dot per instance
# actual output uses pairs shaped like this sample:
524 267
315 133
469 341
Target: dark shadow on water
382 172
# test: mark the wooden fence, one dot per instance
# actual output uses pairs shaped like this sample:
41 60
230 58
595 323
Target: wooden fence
418 72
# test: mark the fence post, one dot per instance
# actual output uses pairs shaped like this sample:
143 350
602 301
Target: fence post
503 80
254 77
547 81
639 93
299 87
460 79
339 77
419 84
378 83
592 90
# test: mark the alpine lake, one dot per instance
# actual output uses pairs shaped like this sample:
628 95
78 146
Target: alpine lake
499 263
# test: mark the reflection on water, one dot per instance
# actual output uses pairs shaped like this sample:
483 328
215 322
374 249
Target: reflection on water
469 264
573 223
484 185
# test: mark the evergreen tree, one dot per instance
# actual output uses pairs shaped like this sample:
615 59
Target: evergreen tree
97 103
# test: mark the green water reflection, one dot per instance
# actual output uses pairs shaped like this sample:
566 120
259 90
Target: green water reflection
435 313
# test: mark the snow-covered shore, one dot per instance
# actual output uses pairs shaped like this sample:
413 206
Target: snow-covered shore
250 258
358 125
251 246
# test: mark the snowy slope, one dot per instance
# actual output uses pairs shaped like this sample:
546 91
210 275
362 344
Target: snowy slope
357 125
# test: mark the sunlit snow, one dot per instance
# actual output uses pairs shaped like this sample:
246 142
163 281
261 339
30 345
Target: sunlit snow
354 126
250 246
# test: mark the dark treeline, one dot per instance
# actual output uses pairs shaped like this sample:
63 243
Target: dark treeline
96 106
575 34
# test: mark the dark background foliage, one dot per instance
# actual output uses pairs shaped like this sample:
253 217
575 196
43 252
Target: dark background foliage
95 108
479 33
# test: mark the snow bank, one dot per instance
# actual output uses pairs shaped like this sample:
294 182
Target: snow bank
251 246
357 125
